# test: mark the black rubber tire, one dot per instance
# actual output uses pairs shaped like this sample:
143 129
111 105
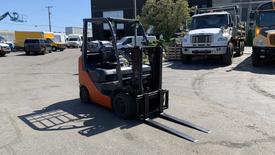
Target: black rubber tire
186 59
54 49
44 51
256 62
61 50
124 106
27 53
227 58
84 95
241 49
2 55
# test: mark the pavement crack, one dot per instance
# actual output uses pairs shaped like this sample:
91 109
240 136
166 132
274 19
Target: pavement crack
241 145
253 85
197 86
17 133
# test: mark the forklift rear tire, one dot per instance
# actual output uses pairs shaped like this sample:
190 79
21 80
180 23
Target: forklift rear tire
123 106
84 95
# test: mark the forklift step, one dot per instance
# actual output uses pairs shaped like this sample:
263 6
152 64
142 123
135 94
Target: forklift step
183 122
169 130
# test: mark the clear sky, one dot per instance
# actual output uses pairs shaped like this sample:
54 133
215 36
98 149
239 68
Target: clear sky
64 13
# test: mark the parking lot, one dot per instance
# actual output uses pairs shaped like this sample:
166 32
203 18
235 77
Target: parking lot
41 112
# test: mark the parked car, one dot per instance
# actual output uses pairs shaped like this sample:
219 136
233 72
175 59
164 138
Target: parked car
4 49
74 41
12 46
129 41
37 46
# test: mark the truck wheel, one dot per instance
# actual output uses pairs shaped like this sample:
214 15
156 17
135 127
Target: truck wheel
123 105
186 59
54 49
61 50
241 49
256 62
227 58
84 95
2 55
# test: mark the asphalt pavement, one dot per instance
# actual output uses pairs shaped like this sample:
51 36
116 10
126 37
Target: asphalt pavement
41 112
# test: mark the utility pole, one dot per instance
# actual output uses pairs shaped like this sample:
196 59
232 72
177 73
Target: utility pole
135 16
49 14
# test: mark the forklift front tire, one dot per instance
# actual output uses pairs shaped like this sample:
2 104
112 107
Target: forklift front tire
84 95
123 106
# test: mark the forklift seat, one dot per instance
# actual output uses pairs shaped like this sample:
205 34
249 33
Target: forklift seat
101 75
102 67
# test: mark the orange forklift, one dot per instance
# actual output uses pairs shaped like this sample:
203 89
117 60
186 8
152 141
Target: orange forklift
121 80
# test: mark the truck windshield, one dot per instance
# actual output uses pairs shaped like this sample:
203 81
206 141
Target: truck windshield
32 41
57 38
209 21
266 19
73 39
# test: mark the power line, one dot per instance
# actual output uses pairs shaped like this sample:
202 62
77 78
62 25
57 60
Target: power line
31 25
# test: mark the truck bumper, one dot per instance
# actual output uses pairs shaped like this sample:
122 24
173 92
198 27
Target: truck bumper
217 50
264 52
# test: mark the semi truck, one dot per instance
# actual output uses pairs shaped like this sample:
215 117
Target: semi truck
21 36
215 32
264 40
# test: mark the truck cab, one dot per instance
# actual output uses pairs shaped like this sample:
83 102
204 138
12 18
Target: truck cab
264 40
213 33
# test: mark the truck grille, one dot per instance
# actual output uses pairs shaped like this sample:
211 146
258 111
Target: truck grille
272 39
202 39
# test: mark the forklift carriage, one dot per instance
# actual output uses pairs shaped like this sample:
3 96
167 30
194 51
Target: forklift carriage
120 80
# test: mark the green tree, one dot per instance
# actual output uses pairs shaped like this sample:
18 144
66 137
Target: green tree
166 16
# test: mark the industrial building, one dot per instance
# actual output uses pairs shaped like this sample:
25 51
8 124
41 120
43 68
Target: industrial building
124 9
77 30
8 35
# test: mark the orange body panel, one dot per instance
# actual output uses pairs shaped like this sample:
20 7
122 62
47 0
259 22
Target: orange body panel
95 95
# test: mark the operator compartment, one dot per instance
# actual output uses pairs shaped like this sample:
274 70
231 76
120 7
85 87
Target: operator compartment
102 66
